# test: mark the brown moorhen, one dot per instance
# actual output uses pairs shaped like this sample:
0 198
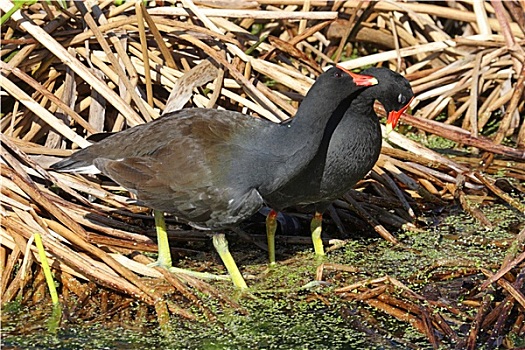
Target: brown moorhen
348 151
211 168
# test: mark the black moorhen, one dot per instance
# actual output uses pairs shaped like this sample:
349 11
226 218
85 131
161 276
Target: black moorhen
348 151
210 168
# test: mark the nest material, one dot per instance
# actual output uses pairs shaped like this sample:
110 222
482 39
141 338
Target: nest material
75 72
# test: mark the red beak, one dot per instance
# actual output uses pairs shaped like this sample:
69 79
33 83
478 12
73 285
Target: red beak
360 79
393 116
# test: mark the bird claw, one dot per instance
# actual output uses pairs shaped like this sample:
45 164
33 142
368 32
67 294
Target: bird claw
160 264
199 275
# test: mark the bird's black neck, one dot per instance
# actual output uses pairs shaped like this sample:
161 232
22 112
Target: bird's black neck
315 119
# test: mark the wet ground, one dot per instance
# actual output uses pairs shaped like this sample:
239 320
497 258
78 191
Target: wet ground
286 309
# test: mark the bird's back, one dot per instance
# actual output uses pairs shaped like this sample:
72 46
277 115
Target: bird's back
183 163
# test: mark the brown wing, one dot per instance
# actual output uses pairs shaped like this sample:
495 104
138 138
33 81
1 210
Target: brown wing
191 197
188 174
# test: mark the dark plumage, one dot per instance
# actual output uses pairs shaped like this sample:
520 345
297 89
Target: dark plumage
211 168
348 151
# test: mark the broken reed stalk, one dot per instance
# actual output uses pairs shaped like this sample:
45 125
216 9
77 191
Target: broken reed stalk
431 317
47 270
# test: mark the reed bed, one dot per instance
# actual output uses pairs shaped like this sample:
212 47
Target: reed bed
69 73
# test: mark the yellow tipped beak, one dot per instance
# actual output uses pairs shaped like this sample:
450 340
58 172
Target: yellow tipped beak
388 128
393 117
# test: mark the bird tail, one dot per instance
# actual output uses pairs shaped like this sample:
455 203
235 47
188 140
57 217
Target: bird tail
75 165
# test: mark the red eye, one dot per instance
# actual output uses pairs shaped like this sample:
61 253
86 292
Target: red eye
338 74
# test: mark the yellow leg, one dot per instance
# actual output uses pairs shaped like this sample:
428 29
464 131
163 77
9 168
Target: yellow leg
164 258
221 245
271 227
316 226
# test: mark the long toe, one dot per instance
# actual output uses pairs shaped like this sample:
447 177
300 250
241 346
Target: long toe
199 275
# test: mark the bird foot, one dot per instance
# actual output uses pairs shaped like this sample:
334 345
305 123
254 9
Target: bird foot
161 264
199 275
